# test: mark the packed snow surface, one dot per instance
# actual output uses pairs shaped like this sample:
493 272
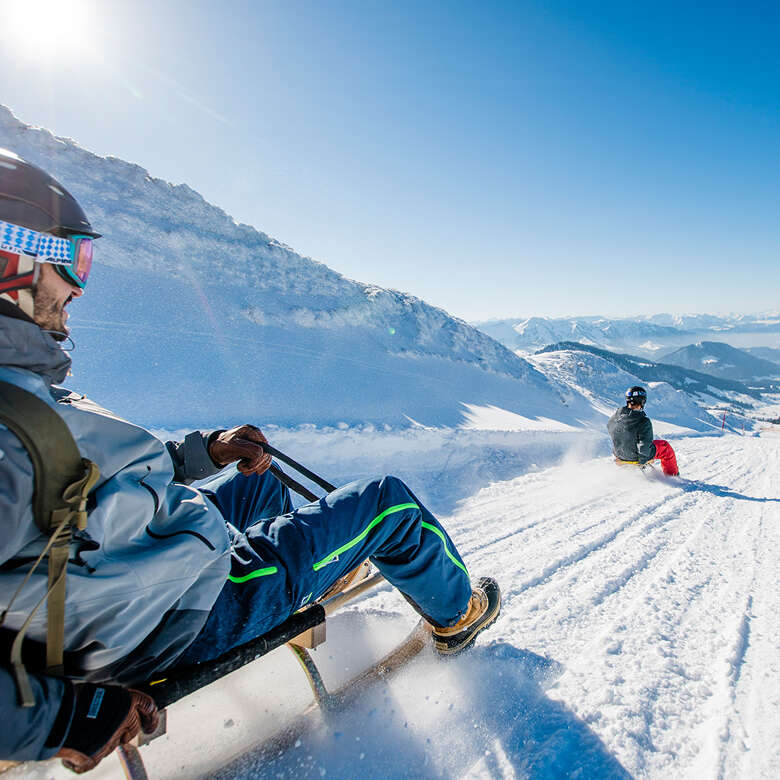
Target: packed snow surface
638 637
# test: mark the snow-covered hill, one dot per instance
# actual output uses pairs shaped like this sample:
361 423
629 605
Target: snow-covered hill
230 325
604 385
742 404
719 359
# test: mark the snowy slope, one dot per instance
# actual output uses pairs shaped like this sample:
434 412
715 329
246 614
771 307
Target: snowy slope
701 388
230 325
638 638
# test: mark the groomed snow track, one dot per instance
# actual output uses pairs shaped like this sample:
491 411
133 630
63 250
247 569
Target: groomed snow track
639 634
658 597
638 638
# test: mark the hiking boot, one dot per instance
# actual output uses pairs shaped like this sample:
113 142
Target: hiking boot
483 609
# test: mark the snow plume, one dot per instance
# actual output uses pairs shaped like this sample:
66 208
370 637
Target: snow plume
444 465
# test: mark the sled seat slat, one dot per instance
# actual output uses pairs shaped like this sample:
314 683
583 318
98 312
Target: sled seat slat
307 626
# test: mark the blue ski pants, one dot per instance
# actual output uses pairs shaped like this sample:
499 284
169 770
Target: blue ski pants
282 559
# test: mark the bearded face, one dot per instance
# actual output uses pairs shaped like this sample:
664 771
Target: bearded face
51 295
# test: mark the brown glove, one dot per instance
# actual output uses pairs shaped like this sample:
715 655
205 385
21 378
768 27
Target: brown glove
104 717
241 444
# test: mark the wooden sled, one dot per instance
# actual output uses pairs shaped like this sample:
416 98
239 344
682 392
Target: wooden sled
303 631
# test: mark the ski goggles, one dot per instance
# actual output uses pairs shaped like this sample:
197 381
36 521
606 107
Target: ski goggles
71 256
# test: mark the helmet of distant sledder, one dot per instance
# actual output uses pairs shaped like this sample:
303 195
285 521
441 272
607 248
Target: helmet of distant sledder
636 395
40 222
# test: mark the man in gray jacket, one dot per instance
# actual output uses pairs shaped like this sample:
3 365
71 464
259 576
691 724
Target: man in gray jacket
632 435
165 573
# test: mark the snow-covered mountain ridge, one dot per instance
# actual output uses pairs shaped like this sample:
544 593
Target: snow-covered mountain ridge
154 226
603 382
678 377
243 324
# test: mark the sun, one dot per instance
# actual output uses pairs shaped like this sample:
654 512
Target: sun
43 30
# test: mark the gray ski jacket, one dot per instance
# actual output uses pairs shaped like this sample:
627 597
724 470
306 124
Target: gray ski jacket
632 435
144 575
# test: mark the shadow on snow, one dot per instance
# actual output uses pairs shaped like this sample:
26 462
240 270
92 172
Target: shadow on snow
691 486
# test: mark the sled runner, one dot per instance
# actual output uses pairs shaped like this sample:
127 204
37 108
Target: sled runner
620 462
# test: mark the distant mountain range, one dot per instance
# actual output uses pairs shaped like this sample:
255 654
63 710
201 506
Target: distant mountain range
644 335
722 360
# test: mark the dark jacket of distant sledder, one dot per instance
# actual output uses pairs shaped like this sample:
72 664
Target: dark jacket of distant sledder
632 435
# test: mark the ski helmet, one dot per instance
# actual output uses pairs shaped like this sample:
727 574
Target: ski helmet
31 198
636 394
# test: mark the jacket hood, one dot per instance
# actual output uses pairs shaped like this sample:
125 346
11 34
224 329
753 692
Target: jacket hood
24 345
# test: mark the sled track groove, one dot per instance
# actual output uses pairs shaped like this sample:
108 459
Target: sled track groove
478 525
581 553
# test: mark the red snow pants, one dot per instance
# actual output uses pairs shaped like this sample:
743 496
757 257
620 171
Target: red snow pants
665 453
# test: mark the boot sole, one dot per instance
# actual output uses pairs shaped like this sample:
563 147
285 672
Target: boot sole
453 645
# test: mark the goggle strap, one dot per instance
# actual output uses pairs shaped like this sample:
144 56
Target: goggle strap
18 282
45 248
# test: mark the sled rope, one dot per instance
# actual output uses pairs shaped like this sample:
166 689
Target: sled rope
276 471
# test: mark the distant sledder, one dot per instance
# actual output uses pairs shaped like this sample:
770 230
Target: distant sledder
632 435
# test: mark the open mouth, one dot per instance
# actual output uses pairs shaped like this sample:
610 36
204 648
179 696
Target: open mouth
64 311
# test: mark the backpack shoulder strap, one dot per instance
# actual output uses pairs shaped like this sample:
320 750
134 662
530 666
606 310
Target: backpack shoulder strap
62 480
56 459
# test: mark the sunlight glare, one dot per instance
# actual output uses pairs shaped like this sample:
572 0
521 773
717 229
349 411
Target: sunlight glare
45 29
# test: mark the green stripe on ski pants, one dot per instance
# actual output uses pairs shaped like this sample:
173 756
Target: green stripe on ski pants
378 519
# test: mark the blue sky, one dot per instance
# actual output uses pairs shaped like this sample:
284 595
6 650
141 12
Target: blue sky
496 159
